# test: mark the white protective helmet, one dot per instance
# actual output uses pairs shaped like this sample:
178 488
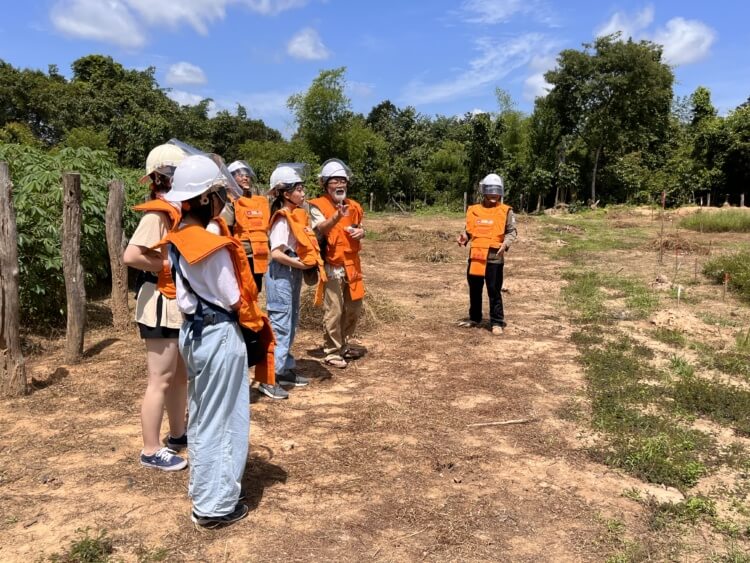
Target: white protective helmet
492 184
242 167
195 175
283 176
334 168
162 159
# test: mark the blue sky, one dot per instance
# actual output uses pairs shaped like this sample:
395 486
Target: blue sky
443 57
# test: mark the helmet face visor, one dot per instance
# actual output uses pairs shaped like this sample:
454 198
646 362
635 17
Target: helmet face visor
493 190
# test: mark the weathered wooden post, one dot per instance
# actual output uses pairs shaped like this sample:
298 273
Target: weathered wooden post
116 246
708 199
742 200
466 200
372 199
12 364
75 289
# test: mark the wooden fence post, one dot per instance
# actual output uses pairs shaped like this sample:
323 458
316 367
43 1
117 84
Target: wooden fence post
372 199
75 289
12 365
742 200
116 246
466 199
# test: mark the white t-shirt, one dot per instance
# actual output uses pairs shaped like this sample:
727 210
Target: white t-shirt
282 236
212 278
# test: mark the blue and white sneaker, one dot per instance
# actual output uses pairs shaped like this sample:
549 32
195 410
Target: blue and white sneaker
164 459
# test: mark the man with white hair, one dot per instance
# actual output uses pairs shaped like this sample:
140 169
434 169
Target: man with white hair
491 228
338 220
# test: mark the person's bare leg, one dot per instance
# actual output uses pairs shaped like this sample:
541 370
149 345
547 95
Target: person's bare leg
161 360
176 397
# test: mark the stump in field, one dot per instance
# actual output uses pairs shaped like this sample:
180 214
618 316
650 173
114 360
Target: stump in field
12 365
75 289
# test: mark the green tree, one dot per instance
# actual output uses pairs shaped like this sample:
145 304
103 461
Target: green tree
615 95
322 114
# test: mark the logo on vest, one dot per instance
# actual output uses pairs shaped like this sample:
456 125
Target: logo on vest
253 213
485 221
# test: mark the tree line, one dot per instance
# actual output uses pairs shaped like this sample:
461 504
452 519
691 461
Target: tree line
610 129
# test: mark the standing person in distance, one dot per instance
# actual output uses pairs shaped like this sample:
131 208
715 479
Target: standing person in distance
338 220
217 295
491 228
248 218
158 316
294 249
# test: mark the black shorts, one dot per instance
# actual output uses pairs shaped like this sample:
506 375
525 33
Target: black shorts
149 332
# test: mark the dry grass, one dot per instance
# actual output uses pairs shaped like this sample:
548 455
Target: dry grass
377 311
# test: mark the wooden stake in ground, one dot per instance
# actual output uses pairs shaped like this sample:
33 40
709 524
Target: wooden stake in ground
116 246
372 199
75 290
12 365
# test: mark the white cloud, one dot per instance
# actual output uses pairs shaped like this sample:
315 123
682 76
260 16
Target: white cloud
535 86
491 12
185 73
307 45
627 25
685 41
187 99
123 22
361 89
101 20
497 59
273 7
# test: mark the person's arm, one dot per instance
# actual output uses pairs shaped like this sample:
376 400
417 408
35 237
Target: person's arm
278 255
511 233
228 214
324 227
278 238
143 258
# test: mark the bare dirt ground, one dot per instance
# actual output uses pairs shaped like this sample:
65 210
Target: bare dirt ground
378 462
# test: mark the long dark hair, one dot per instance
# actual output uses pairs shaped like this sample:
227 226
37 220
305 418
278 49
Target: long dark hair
280 200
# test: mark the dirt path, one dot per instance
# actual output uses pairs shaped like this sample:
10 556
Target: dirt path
377 462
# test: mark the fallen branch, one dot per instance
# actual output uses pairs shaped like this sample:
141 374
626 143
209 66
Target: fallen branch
502 422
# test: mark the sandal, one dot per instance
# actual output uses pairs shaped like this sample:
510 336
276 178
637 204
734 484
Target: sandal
353 354
335 361
466 324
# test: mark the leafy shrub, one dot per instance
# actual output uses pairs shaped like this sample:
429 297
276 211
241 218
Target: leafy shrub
737 266
38 200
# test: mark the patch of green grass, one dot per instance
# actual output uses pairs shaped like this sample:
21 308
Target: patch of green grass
716 320
681 367
742 342
587 233
734 555
639 298
86 549
724 221
737 266
726 404
585 338
689 511
731 363
651 447
671 336
582 295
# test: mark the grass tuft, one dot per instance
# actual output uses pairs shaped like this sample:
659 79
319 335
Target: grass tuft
86 549
737 266
671 336
724 221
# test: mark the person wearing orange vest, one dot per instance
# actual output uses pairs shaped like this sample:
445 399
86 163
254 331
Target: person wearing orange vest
248 218
294 249
158 316
338 220
491 228
218 298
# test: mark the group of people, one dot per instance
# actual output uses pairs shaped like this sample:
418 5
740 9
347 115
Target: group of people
203 258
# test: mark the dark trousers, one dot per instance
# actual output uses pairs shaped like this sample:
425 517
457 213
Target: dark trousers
257 277
493 276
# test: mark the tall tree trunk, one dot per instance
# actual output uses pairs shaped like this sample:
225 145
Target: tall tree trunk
75 290
12 365
593 176
116 246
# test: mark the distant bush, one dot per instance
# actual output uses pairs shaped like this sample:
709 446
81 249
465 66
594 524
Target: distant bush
737 266
37 198
724 221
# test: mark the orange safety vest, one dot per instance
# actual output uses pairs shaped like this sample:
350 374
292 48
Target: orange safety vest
164 282
486 227
251 221
343 250
308 249
195 244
